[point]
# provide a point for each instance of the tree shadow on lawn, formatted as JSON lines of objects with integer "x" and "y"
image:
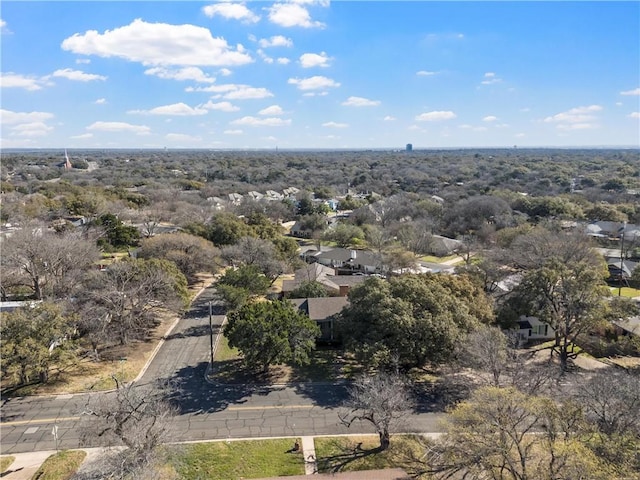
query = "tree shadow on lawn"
{"x": 191, "y": 393}
{"x": 346, "y": 455}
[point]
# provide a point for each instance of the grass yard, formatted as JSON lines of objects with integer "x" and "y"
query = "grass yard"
{"x": 236, "y": 460}
{"x": 434, "y": 259}
{"x": 345, "y": 454}
{"x": 626, "y": 292}
{"x": 61, "y": 466}
{"x": 5, "y": 462}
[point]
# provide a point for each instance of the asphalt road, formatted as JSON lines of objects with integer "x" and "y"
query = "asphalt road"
{"x": 205, "y": 411}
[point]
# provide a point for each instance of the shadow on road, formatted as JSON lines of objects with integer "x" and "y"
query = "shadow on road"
{"x": 323, "y": 394}
{"x": 195, "y": 331}
{"x": 190, "y": 393}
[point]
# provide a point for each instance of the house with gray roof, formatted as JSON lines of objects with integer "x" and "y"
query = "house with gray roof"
{"x": 324, "y": 311}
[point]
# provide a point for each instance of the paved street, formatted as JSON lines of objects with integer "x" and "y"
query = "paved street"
{"x": 205, "y": 411}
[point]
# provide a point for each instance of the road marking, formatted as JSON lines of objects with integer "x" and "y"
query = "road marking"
{"x": 72, "y": 419}
{"x": 40, "y": 420}
{"x": 270, "y": 407}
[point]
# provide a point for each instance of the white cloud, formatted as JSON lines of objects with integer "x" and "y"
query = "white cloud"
{"x": 634, "y": 92}
{"x": 233, "y": 132}
{"x": 100, "y": 101}
{"x": 231, "y": 11}
{"x": 283, "y": 60}
{"x": 34, "y": 129}
{"x": 82, "y": 136}
{"x": 426, "y": 73}
{"x": 221, "y": 106}
{"x": 490, "y": 78}
{"x": 335, "y": 125}
{"x": 315, "y": 94}
{"x": 158, "y": 44}
{"x": 186, "y": 73}
{"x": 465, "y": 126}
{"x": 292, "y": 15}
{"x": 77, "y": 75}
{"x": 317, "y": 82}
{"x": 175, "y": 109}
{"x": 389, "y": 118}
{"x": 82, "y": 61}
{"x": 360, "y": 102}
{"x": 578, "y": 118}
{"x": 3, "y": 27}
{"x": 119, "y": 127}
{"x": 490, "y": 118}
{"x": 276, "y": 41}
{"x": 232, "y": 91}
{"x": 577, "y": 126}
{"x": 225, "y": 72}
{"x": 413, "y": 127}
{"x": 7, "y": 117}
{"x": 310, "y": 60}
{"x": 435, "y": 116}
{"x": 244, "y": 92}
{"x": 634, "y": 115}
{"x": 15, "y": 80}
{"x": 262, "y": 122}
{"x": 182, "y": 137}
{"x": 272, "y": 110}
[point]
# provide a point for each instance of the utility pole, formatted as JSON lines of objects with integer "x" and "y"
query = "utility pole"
{"x": 211, "y": 332}
{"x": 624, "y": 227}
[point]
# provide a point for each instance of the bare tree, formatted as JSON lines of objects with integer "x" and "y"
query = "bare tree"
{"x": 612, "y": 401}
{"x": 51, "y": 264}
{"x": 486, "y": 349}
{"x": 381, "y": 400}
{"x": 134, "y": 417}
{"x": 257, "y": 252}
{"x": 122, "y": 302}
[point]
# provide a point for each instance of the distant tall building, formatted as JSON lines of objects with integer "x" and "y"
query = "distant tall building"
{"x": 409, "y": 147}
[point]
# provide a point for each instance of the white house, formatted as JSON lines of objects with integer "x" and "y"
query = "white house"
{"x": 530, "y": 328}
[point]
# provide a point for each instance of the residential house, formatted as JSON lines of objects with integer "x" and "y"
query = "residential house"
{"x": 324, "y": 311}
{"x": 627, "y": 326}
{"x": 255, "y": 195}
{"x": 235, "y": 198}
{"x": 347, "y": 261}
{"x": 530, "y": 328}
{"x": 443, "y": 246}
{"x": 339, "y": 285}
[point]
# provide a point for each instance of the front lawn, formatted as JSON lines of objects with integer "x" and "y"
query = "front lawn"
{"x": 5, "y": 462}
{"x": 235, "y": 460}
{"x": 344, "y": 454}
{"x": 625, "y": 292}
{"x": 61, "y": 466}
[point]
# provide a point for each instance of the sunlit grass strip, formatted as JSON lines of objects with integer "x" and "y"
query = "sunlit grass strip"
{"x": 5, "y": 462}
{"x": 240, "y": 459}
{"x": 61, "y": 466}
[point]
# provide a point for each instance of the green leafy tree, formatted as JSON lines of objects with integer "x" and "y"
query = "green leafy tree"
{"x": 240, "y": 284}
{"x": 191, "y": 254}
{"x": 227, "y": 229}
{"x": 34, "y": 339}
{"x": 269, "y": 333}
{"x": 311, "y": 289}
{"x": 117, "y": 235}
{"x": 563, "y": 286}
{"x": 345, "y": 235}
{"x": 411, "y": 320}
{"x": 504, "y": 434}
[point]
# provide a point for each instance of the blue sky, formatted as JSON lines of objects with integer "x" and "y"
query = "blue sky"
{"x": 319, "y": 74}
